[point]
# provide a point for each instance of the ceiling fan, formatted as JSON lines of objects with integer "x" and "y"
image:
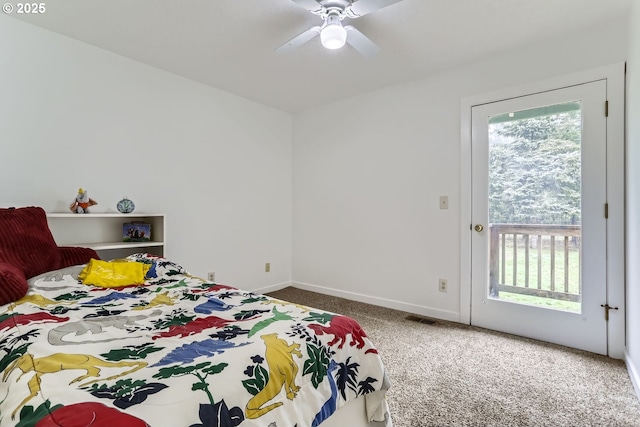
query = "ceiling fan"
{"x": 333, "y": 34}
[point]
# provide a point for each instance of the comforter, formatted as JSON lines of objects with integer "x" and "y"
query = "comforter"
{"x": 178, "y": 351}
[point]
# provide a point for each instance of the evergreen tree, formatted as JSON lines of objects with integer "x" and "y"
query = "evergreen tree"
{"x": 534, "y": 170}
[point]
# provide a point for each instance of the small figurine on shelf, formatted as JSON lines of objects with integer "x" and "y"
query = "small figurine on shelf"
{"x": 82, "y": 202}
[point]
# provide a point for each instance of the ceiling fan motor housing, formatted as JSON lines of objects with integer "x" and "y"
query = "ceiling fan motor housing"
{"x": 341, "y": 4}
{"x": 333, "y": 18}
{"x": 334, "y": 7}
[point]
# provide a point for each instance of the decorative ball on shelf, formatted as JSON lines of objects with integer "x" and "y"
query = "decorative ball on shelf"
{"x": 125, "y": 206}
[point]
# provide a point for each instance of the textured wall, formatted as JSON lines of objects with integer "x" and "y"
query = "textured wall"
{"x": 633, "y": 197}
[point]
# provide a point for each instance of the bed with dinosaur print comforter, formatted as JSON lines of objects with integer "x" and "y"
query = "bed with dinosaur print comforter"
{"x": 178, "y": 351}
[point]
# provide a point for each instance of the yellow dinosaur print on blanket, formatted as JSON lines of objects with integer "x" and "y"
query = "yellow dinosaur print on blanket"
{"x": 282, "y": 373}
{"x": 59, "y": 362}
{"x": 160, "y": 299}
{"x": 36, "y": 299}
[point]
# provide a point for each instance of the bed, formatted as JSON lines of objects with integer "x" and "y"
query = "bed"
{"x": 176, "y": 351}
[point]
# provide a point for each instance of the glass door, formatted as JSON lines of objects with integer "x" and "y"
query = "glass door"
{"x": 538, "y": 195}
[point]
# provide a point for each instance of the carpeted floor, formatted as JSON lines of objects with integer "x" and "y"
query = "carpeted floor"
{"x": 448, "y": 374}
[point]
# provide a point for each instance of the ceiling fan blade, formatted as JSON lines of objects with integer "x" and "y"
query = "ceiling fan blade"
{"x": 299, "y": 40}
{"x": 310, "y": 5}
{"x": 360, "y": 42}
{"x": 364, "y": 7}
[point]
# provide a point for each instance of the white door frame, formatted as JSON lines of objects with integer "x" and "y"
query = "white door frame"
{"x": 615, "y": 190}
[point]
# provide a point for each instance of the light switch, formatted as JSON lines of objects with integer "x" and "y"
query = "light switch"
{"x": 444, "y": 202}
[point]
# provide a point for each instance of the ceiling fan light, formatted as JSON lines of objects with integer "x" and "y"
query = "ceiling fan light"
{"x": 333, "y": 36}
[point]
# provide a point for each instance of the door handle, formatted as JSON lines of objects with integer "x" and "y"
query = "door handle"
{"x": 478, "y": 228}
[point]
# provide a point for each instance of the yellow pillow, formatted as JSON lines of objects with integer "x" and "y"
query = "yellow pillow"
{"x": 113, "y": 274}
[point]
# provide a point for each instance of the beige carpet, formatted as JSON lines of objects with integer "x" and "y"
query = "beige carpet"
{"x": 447, "y": 374}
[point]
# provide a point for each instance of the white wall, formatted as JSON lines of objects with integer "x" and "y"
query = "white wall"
{"x": 219, "y": 166}
{"x": 367, "y": 223}
{"x": 633, "y": 198}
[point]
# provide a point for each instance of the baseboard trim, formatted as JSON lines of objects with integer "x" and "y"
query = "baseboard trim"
{"x": 634, "y": 374}
{"x": 271, "y": 288}
{"x": 383, "y": 302}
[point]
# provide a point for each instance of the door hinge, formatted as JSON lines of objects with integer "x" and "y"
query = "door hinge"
{"x": 606, "y": 108}
{"x": 606, "y": 210}
{"x": 607, "y": 307}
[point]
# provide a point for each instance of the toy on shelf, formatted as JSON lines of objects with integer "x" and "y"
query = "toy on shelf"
{"x": 82, "y": 202}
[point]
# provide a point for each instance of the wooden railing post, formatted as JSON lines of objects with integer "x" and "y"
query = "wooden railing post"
{"x": 533, "y": 233}
{"x": 494, "y": 261}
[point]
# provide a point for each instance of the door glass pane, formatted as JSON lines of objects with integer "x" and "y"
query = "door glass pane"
{"x": 535, "y": 206}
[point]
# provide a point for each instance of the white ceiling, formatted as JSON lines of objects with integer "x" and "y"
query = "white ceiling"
{"x": 229, "y": 44}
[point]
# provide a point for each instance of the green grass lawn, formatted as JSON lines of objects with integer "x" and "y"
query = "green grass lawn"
{"x": 541, "y": 302}
{"x": 573, "y": 282}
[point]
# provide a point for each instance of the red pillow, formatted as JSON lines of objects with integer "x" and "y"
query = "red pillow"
{"x": 26, "y": 241}
{"x": 13, "y": 284}
{"x": 70, "y": 256}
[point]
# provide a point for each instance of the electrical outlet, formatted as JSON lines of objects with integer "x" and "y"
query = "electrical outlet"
{"x": 211, "y": 276}
{"x": 267, "y": 267}
{"x": 444, "y": 202}
{"x": 442, "y": 285}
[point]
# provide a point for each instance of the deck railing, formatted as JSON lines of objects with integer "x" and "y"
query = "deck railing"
{"x": 510, "y": 270}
